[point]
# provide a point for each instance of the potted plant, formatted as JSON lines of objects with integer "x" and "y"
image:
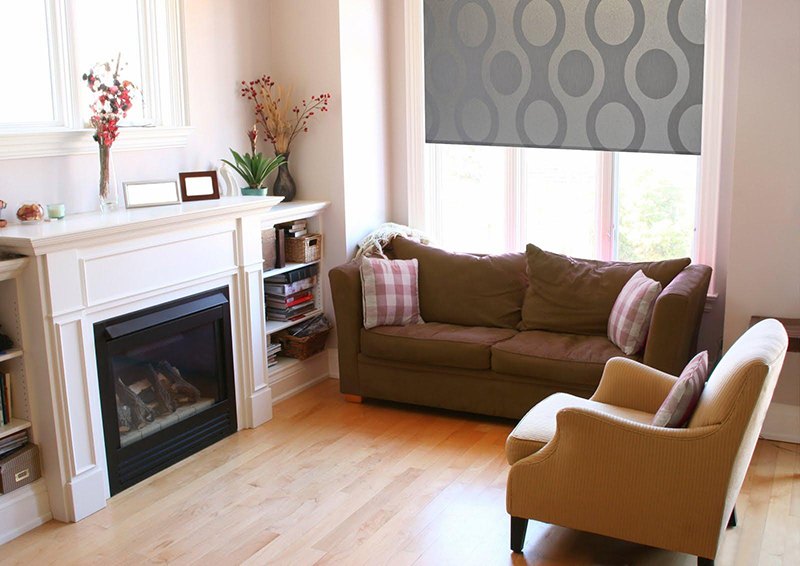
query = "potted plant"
{"x": 253, "y": 167}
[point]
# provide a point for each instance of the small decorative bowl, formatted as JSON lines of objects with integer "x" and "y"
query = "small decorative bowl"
{"x": 31, "y": 212}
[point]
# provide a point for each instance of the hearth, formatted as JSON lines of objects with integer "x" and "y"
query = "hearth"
{"x": 166, "y": 384}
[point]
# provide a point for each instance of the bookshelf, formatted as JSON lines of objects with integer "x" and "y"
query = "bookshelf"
{"x": 12, "y": 360}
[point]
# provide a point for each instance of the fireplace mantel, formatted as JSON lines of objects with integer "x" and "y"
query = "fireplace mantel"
{"x": 92, "y": 267}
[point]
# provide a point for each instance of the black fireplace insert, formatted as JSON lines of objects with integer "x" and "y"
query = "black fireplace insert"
{"x": 166, "y": 384}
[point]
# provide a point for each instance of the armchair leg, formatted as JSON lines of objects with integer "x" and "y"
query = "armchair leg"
{"x": 732, "y": 519}
{"x": 704, "y": 561}
{"x": 518, "y": 529}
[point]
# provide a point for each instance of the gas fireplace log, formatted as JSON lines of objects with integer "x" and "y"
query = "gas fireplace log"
{"x": 179, "y": 384}
{"x": 140, "y": 413}
{"x": 164, "y": 395}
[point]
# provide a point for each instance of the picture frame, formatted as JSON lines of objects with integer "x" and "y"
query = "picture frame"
{"x": 141, "y": 194}
{"x": 199, "y": 185}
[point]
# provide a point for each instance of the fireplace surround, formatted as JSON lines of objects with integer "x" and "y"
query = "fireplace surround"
{"x": 93, "y": 267}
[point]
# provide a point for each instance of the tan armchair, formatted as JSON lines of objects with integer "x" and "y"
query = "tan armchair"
{"x": 596, "y": 464}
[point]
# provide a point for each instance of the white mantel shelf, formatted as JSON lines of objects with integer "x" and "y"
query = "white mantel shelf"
{"x": 43, "y": 237}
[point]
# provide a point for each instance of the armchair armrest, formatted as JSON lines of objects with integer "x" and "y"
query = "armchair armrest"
{"x": 347, "y": 306}
{"x": 619, "y": 478}
{"x": 672, "y": 338}
{"x": 628, "y": 383}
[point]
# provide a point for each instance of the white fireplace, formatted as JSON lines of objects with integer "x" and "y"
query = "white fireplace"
{"x": 90, "y": 268}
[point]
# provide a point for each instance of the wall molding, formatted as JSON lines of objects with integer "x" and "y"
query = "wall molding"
{"x": 23, "y": 510}
{"x": 782, "y": 423}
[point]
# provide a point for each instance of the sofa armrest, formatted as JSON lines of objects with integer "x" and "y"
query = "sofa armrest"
{"x": 347, "y": 306}
{"x": 619, "y": 478}
{"x": 672, "y": 339}
{"x": 627, "y": 383}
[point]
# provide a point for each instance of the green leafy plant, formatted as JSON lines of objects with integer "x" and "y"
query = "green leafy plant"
{"x": 254, "y": 167}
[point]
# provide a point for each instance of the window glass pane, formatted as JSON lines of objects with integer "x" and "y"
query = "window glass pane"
{"x": 655, "y": 205}
{"x": 560, "y": 194}
{"x": 26, "y": 95}
{"x": 470, "y": 195}
{"x": 98, "y": 42}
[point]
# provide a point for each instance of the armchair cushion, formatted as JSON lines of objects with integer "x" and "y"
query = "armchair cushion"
{"x": 677, "y": 408}
{"x": 538, "y": 427}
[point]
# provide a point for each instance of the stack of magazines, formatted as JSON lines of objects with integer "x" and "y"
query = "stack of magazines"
{"x": 272, "y": 353}
{"x": 290, "y": 295}
{"x": 13, "y": 441}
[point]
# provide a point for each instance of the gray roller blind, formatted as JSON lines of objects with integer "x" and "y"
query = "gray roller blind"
{"x": 622, "y": 75}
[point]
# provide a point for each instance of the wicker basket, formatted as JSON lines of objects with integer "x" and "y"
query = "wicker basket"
{"x": 302, "y": 347}
{"x": 304, "y": 249}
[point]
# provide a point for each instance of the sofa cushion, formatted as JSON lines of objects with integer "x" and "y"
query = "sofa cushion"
{"x": 538, "y": 427}
{"x": 632, "y": 311}
{"x": 389, "y": 292}
{"x": 434, "y": 343}
{"x": 567, "y": 294}
{"x": 567, "y": 358}
{"x": 467, "y": 289}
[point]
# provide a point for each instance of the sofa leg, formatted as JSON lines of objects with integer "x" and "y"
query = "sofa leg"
{"x": 353, "y": 398}
{"x": 518, "y": 529}
{"x": 704, "y": 561}
{"x": 732, "y": 519}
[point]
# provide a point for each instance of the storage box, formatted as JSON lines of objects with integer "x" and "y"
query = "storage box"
{"x": 304, "y": 249}
{"x": 19, "y": 468}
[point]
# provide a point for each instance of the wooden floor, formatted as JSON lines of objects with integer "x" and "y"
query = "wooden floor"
{"x": 329, "y": 482}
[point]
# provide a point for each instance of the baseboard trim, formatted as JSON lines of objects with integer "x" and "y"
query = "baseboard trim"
{"x": 23, "y": 510}
{"x": 782, "y": 423}
{"x": 297, "y": 376}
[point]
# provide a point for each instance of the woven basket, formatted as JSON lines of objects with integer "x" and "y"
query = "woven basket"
{"x": 304, "y": 249}
{"x": 302, "y": 347}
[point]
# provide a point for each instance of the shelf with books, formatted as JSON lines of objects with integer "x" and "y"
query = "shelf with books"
{"x": 286, "y": 268}
{"x": 15, "y": 426}
{"x": 274, "y": 326}
{"x": 10, "y": 354}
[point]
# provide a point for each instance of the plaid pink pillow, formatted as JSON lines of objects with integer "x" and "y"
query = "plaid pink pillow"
{"x": 678, "y": 407}
{"x": 389, "y": 292}
{"x": 630, "y": 316}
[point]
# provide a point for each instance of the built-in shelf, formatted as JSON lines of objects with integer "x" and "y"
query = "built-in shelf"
{"x": 14, "y": 426}
{"x": 287, "y": 267}
{"x": 274, "y": 326}
{"x": 10, "y": 354}
{"x": 10, "y": 268}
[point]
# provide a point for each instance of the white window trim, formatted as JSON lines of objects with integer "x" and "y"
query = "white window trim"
{"x": 60, "y": 140}
{"x": 711, "y": 146}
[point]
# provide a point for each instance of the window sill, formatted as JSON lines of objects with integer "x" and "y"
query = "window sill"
{"x": 80, "y": 142}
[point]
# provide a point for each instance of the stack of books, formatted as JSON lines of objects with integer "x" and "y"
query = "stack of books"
{"x": 290, "y": 295}
{"x": 13, "y": 441}
{"x": 272, "y": 353}
{"x": 294, "y": 229}
{"x": 5, "y": 398}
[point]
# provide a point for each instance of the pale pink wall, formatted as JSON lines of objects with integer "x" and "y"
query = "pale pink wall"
{"x": 225, "y": 43}
{"x": 764, "y": 249}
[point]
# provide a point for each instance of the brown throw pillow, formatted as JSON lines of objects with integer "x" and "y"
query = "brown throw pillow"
{"x": 567, "y": 294}
{"x": 677, "y": 409}
{"x": 466, "y": 289}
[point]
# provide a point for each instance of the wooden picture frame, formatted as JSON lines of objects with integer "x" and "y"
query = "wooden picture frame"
{"x": 141, "y": 194}
{"x": 199, "y": 185}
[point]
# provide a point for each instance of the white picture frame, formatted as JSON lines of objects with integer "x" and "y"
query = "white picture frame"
{"x": 141, "y": 194}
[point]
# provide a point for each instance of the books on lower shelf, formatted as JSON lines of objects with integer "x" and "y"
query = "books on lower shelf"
{"x": 272, "y": 353}
{"x": 5, "y": 398}
{"x": 290, "y": 295}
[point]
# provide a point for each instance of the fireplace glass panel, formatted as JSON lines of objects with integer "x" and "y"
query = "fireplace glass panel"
{"x": 165, "y": 381}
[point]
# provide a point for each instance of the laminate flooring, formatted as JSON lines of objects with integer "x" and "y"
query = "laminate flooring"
{"x": 330, "y": 482}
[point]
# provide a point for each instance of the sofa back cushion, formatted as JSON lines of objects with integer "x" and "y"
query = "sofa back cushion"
{"x": 567, "y": 294}
{"x": 466, "y": 289}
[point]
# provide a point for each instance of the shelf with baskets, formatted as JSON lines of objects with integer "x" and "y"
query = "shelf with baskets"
{"x": 292, "y": 248}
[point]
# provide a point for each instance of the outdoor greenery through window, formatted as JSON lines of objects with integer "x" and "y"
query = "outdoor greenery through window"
{"x": 625, "y": 206}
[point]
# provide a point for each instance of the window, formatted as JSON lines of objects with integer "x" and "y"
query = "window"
{"x": 49, "y": 44}
{"x": 627, "y": 206}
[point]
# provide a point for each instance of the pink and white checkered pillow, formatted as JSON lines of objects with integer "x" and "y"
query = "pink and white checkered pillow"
{"x": 630, "y": 316}
{"x": 677, "y": 409}
{"x": 390, "y": 292}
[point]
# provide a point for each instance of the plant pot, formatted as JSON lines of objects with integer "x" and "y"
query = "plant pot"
{"x": 251, "y": 192}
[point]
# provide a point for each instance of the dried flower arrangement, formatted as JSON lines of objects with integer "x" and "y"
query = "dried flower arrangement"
{"x": 280, "y": 119}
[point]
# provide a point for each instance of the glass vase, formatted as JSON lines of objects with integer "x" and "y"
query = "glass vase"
{"x": 108, "y": 195}
{"x": 284, "y": 185}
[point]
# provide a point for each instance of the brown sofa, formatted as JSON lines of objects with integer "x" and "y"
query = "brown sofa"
{"x": 503, "y": 332}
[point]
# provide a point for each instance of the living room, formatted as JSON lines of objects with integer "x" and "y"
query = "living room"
{"x": 305, "y": 476}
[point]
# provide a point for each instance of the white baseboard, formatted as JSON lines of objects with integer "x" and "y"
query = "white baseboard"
{"x": 333, "y": 362}
{"x": 782, "y": 423}
{"x": 23, "y": 510}
{"x": 295, "y": 376}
